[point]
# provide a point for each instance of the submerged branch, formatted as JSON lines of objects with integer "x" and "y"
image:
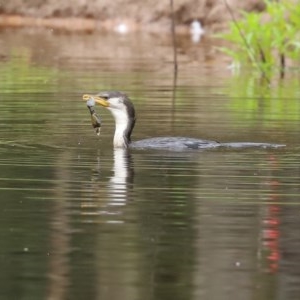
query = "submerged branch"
{"x": 282, "y": 65}
{"x": 174, "y": 37}
{"x": 174, "y": 60}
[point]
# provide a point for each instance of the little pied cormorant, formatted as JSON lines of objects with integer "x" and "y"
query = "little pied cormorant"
{"x": 123, "y": 112}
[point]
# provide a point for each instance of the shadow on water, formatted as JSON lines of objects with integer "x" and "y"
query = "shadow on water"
{"x": 81, "y": 221}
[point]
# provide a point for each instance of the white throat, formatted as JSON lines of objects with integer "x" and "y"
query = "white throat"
{"x": 121, "y": 120}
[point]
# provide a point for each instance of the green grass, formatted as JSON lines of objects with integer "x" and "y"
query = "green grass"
{"x": 265, "y": 41}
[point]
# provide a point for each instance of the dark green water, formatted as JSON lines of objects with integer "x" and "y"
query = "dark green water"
{"x": 81, "y": 221}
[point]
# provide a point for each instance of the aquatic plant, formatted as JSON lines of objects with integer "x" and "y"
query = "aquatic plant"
{"x": 267, "y": 40}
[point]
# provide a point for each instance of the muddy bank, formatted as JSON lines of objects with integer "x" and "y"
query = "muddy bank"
{"x": 126, "y": 15}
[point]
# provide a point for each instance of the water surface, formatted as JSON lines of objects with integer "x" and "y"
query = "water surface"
{"x": 81, "y": 221}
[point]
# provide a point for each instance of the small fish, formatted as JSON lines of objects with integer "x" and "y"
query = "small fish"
{"x": 96, "y": 121}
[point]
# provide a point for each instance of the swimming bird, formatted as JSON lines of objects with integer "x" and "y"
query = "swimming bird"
{"x": 123, "y": 111}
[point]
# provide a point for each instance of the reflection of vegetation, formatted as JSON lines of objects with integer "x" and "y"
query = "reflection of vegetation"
{"x": 266, "y": 41}
{"x": 29, "y": 97}
{"x": 19, "y": 75}
{"x": 255, "y": 99}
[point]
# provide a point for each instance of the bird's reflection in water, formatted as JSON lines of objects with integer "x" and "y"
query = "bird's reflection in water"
{"x": 122, "y": 176}
{"x": 118, "y": 185}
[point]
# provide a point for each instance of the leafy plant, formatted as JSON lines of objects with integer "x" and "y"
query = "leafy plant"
{"x": 265, "y": 40}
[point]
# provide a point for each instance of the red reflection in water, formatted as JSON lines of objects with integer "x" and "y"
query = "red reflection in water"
{"x": 271, "y": 232}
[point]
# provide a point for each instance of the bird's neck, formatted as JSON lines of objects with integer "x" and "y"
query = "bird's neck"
{"x": 122, "y": 130}
{"x": 124, "y": 126}
{"x": 120, "y": 138}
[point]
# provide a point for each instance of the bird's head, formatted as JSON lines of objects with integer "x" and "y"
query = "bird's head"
{"x": 123, "y": 111}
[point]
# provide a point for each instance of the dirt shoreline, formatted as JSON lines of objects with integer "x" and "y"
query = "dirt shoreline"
{"x": 121, "y": 15}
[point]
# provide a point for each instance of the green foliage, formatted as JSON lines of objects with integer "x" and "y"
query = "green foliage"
{"x": 265, "y": 40}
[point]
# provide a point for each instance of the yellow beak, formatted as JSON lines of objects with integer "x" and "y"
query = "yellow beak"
{"x": 97, "y": 99}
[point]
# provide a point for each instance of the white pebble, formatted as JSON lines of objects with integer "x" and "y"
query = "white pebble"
{"x": 196, "y": 31}
{"x": 121, "y": 28}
